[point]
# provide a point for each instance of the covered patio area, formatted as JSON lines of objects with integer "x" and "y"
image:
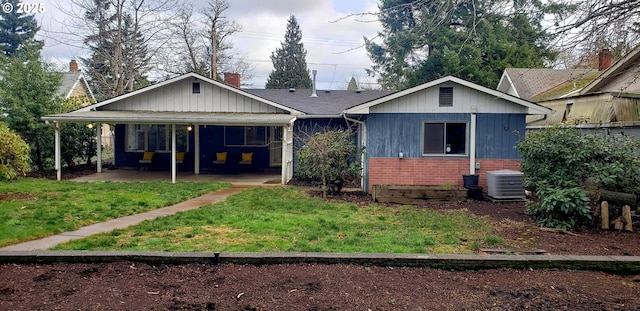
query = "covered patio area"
{"x": 190, "y": 124}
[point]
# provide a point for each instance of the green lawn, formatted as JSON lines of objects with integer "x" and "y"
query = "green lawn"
{"x": 286, "y": 219}
{"x": 36, "y": 208}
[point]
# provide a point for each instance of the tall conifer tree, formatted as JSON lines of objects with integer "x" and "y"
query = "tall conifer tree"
{"x": 16, "y": 29}
{"x": 290, "y": 65}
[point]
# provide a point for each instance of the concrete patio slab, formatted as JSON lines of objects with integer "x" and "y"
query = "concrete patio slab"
{"x": 248, "y": 179}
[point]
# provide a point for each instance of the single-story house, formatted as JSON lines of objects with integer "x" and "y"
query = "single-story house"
{"x": 431, "y": 134}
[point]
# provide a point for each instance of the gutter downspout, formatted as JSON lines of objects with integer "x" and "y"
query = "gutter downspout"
{"x": 472, "y": 151}
{"x": 363, "y": 143}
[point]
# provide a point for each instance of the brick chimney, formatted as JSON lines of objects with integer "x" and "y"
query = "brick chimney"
{"x": 73, "y": 66}
{"x": 604, "y": 59}
{"x": 232, "y": 79}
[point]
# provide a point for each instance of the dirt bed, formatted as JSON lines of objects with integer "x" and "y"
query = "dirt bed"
{"x": 128, "y": 286}
{"x": 134, "y": 286}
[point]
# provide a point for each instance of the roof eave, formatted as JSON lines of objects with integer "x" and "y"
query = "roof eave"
{"x": 631, "y": 56}
{"x": 175, "y": 119}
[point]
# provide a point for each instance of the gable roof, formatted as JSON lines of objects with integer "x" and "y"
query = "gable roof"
{"x": 71, "y": 81}
{"x": 532, "y": 107}
{"x": 530, "y": 83}
{"x": 568, "y": 89}
{"x": 628, "y": 62}
{"x": 326, "y": 103}
{"x": 188, "y": 76}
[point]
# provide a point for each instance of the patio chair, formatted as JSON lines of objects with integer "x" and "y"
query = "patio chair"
{"x": 220, "y": 162}
{"x": 146, "y": 161}
{"x": 179, "y": 159}
{"x": 246, "y": 160}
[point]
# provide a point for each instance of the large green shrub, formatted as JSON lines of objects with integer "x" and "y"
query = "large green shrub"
{"x": 560, "y": 207}
{"x": 329, "y": 158}
{"x": 14, "y": 154}
{"x": 559, "y": 163}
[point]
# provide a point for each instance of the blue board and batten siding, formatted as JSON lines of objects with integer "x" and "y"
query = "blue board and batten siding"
{"x": 498, "y": 134}
{"x": 391, "y": 133}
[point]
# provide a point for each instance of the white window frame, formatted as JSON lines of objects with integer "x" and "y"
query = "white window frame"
{"x": 144, "y": 129}
{"x": 244, "y": 139}
{"x": 444, "y": 153}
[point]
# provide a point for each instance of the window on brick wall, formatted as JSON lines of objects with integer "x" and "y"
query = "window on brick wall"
{"x": 444, "y": 138}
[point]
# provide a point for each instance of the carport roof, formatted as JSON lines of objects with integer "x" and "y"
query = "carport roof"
{"x": 151, "y": 117}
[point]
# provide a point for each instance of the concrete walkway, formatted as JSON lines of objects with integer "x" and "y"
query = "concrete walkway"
{"x": 124, "y": 222}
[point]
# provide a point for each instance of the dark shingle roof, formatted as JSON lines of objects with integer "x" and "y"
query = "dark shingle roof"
{"x": 326, "y": 103}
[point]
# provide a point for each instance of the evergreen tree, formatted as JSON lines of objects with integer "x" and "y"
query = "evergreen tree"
{"x": 16, "y": 29}
{"x": 290, "y": 66}
{"x": 353, "y": 85}
{"x": 476, "y": 41}
{"x": 27, "y": 93}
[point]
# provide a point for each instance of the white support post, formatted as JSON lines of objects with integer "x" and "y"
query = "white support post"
{"x": 472, "y": 142}
{"x": 57, "y": 157}
{"x": 287, "y": 152}
{"x": 173, "y": 153}
{"x": 363, "y": 156}
{"x": 290, "y": 151}
{"x": 99, "y": 147}
{"x": 196, "y": 149}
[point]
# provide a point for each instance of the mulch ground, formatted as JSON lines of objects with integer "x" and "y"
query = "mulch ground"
{"x": 135, "y": 286}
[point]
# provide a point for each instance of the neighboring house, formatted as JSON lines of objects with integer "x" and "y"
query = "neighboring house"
{"x": 74, "y": 84}
{"x": 535, "y": 83}
{"x": 431, "y": 134}
{"x": 607, "y": 99}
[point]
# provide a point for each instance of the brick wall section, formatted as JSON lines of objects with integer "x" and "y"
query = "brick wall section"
{"x": 430, "y": 171}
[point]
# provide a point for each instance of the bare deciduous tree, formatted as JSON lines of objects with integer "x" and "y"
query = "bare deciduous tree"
{"x": 122, "y": 37}
{"x": 597, "y": 24}
{"x": 200, "y": 42}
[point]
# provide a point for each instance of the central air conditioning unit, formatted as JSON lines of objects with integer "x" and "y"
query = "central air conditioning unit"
{"x": 505, "y": 184}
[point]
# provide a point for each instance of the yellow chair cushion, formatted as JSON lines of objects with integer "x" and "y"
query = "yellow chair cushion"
{"x": 147, "y": 156}
{"x": 180, "y": 156}
{"x": 221, "y": 156}
{"x": 246, "y": 157}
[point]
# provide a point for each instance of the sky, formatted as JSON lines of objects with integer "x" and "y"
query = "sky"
{"x": 334, "y": 43}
